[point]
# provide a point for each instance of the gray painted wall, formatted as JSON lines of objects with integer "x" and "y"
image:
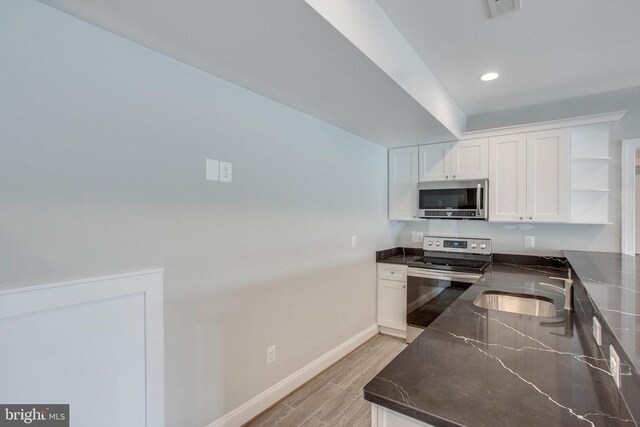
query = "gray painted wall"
{"x": 102, "y": 153}
{"x": 637, "y": 207}
{"x": 625, "y": 99}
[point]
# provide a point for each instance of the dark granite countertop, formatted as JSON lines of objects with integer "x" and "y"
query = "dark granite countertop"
{"x": 613, "y": 283}
{"x": 478, "y": 367}
{"x": 399, "y": 255}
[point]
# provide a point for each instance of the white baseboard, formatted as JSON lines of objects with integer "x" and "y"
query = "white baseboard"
{"x": 264, "y": 400}
{"x": 398, "y": 333}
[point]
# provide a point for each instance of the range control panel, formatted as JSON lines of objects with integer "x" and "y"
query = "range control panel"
{"x": 457, "y": 244}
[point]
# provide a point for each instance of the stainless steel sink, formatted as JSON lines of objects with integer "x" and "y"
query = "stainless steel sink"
{"x": 532, "y": 305}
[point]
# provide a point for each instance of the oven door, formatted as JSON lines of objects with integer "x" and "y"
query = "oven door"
{"x": 429, "y": 293}
{"x": 453, "y": 199}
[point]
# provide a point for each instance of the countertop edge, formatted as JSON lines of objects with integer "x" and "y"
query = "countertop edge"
{"x": 425, "y": 417}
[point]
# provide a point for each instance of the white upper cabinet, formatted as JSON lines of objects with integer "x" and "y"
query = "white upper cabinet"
{"x": 529, "y": 177}
{"x": 470, "y": 159}
{"x": 455, "y": 160}
{"x": 548, "y": 176}
{"x": 435, "y": 162}
{"x": 508, "y": 178}
{"x": 403, "y": 183}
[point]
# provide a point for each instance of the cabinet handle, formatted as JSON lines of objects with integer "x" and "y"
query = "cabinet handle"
{"x": 521, "y": 218}
{"x": 404, "y": 286}
{"x": 446, "y": 177}
{"x": 530, "y": 218}
{"x": 454, "y": 177}
{"x": 392, "y": 272}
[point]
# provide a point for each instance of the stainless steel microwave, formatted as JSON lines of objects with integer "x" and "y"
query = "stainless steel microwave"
{"x": 453, "y": 199}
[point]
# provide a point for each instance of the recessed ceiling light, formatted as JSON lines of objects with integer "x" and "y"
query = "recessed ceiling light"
{"x": 489, "y": 76}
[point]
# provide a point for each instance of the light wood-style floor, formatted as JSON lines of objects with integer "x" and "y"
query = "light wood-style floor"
{"x": 334, "y": 398}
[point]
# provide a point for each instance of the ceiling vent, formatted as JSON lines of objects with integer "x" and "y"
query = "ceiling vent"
{"x": 500, "y": 7}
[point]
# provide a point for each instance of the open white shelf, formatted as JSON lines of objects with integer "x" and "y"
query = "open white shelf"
{"x": 590, "y": 207}
{"x": 589, "y": 142}
{"x": 590, "y": 161}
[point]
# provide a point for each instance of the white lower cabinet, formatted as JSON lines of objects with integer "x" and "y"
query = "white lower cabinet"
{"x": 383, "y": 417}
{"x": 392, "y": 299}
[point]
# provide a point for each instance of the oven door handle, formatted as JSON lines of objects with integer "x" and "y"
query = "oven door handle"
{"x": 451, "y": 275}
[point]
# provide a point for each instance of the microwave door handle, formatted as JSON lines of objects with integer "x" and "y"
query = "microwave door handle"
{"x": 478, "y": 201}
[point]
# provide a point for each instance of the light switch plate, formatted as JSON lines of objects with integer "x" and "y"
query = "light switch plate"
{"x": 212, "y": 170}
{"x": 614, "y": 365}
{"x": 225, "y": 172}
{"x": 354, "y": 241}
{"x": 597, "y": 330}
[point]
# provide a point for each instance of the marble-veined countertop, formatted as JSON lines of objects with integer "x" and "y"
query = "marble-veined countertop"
{"x": 481, "y": 367}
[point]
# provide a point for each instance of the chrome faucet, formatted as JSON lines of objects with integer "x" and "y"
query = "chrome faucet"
{"x": 566, "y": 289}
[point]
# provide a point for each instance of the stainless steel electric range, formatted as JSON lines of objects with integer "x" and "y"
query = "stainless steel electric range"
{"x": 449, "y": 266}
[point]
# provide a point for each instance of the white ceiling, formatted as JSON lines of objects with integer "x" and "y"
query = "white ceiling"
{"x": 284, "y": 50}
{"x": 549, "y": 50}
{"x": 281, "y": 49}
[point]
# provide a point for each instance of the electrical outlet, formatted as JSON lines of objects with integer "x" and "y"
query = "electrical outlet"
{"x": 614, "y": 365}
{"x": 529, "y": 241}
{"x": 597, "y": 330}
{"x": 271, "y": 354}
{"x": 225, "y": 171}
{"x": 354, "y": 241}
{"x": 212, "y": 170}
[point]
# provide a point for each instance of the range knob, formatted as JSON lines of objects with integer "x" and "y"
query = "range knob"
{"x": 474, "y": 245}
{"x": 430, "y": 242}
{"x": 437, "y": 243}
{"x": 483, "y": 246}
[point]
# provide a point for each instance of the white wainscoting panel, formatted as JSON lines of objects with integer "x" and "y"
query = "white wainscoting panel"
{"x": 96, "y": 344}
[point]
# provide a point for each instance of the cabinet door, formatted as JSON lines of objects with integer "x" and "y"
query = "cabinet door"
{"x": 383, "y": 417}
{"x": 548, "y": 176}
{"x": 435, "y": 162}
{"x": 470, "y": 159}
{"x": 508, "y": 178}
{"x": 403, "y": 183}
{"x": 392, "y": 304}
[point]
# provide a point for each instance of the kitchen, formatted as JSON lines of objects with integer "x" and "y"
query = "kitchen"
{"x": 257, "y": 205}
